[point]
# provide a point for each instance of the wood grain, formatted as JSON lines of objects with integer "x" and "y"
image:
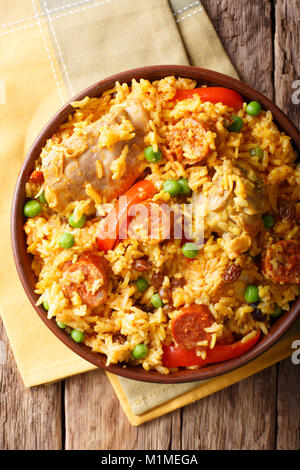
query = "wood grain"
{"x": 239, "y": 417}
{"x": 245, "y": 30}
{"x": 29, "y": 419}
{"x": 288, "y": 406}
{"x": 287, "y": 64}
{"x": 94, "y": 419}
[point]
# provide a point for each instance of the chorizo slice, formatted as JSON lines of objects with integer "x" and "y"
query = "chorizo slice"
{"x": 88, "y": 277}
{"x": 187, "y": 137}
{"x": 188, "y": 328}
{"x": 281, "y": 262}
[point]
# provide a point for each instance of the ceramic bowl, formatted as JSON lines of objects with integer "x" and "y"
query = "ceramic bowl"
{"x": 23, "y": 259}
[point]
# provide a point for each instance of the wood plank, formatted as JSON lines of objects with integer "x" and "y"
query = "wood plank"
{"x": 287, "y": 63}
{"x": 94, "y": 419}
{"x": 245, "y": 30}
{"x": 239, "y": 417}
{"x": 29, "y": 419}
{"x": 288, "y": 409}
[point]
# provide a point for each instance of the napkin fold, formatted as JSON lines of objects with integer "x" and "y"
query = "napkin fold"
{"x": 52, "y": 49}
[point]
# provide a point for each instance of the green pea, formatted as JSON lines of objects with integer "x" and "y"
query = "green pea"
{"x": 278, "y": 311}
{"x": 46, "y": 305}
{"x": 172, "y": 187}
{"x": 151, "y": 156}
{"x": 140, "y": 351}
{"x": 184, "y": 186}
{"x": 78, "y": 223}
{"x": 268, "y": 221}
{"x": 190, "y": 250}
{"x": 42, "y": 198}
{"x": 61, "y": 325}
{"x": 66, "y": 240}
{"x": 257, "y": 152}
{"x": 251, "y": 294}
{"x": 77, "y": 336}
{"x": 142, "y": 284}
{"x": 254, "y": 108}
{"x": 156, "y": 300}
{"x": 236, "y": 125}
{"x": 32, "y": 208}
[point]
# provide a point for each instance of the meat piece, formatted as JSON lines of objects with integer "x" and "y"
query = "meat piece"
{"x": 187, "y": 141}
{"x": 188, "y": 328}
{"x": 153, "y": 222}
{"x": 281, "y": 262}
{"x": 79, "y": 161}
{"x": 218, "y": 197}
{"x": 88, "y": 277}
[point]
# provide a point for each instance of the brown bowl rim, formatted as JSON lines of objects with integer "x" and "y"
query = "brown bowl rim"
{"x": 22, "y": 258}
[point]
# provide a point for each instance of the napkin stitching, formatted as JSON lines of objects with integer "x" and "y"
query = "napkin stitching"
{"x": 70, "y": 5}
{"x": 58, "y": 48}
{"x": 190, "y": 14}
{"x": 20, "y": 28}
{"x": 42, "y": 15}
{"x": 21, "y": 20}
{"x": 86, "y": 8}
{"x": 5, "y": 25}
{"x": 38, "y": 371}
{"x": 48, "y": 52}
{"x": 186, "y": 8}
{"x": 158, "y": 392}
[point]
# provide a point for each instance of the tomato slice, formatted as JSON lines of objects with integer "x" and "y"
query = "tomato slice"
{"x": 213, "y": 95}
{"x": 174, "y": 356}
{"x": 118, "y": 216}
{"x": 36, "y": 176}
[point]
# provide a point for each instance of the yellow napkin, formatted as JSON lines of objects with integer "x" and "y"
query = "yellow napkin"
{"x": 51, "y": 50}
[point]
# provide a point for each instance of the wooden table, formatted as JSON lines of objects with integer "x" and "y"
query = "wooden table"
{"x": 262, "y": 37}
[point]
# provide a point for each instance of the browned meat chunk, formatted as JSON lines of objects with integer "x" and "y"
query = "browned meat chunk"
{"x": 281, "y": 262}
{"x": 79, "y": 161}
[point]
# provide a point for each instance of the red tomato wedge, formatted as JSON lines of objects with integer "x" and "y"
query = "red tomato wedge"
{"x": 118, "y": 216}
{"x": 36, "y": 176}
{"x": 177, "y": 357}
{"x": 213, "y": 95}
